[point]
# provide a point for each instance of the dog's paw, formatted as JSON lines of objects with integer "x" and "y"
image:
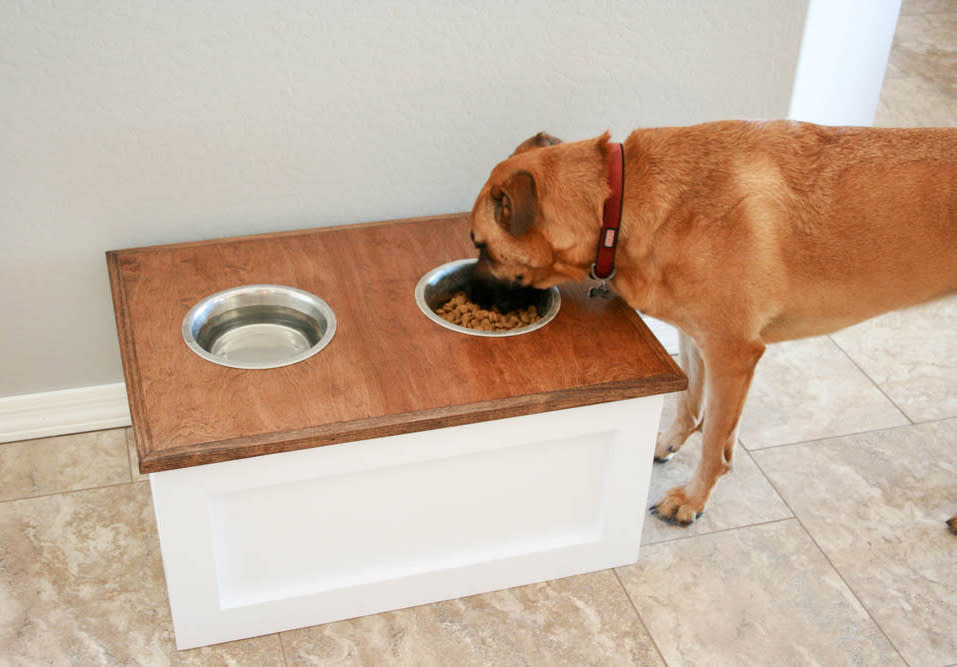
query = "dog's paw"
{"x": 664, "y": 450}
{"x": 952, "y": 524}
{"x": 677, "y": 508}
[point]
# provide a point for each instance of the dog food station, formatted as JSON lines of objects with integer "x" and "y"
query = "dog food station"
{"x": 329, "y": 451}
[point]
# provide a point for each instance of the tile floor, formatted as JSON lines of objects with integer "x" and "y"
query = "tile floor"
{"x": 826, "y": 545}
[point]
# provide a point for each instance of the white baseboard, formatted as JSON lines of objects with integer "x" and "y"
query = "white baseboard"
{"x": 51, "y": 413}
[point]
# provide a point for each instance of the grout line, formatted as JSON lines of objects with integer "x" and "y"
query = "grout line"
{"x": 70, "y": 491}
{"x": 126, "y": 438}
{"x": 831, "y": 563}
{"x": 638, "y": 613}
{"x": 936, "y": 420}
{"x": 682, "y": 538}
{"x": 282, "y": 650}
{"x": 827, "y": 438}
{"x": 69, "y": 434}
{"x": 872, "y": 380}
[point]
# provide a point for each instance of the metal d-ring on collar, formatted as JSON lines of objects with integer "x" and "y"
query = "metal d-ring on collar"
{"x": 601, "y": 290}
{"x": 603, "y": 268}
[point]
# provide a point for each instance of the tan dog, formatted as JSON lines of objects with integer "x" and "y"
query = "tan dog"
{"x": 738, "y": 233}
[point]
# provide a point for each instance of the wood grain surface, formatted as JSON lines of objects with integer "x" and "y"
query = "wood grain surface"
{"x": 388, "y": 370}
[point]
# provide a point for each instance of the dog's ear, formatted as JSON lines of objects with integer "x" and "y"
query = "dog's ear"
{"x": 516, "y": 203}
{"x": 602, "y": 142}
{"x": 540, "y": 140}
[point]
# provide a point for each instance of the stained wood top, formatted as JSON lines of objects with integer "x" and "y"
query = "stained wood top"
{"x": 388, "y": 370}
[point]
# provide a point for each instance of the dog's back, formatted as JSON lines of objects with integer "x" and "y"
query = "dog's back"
{"x": 836, "y": 224}
{"x": 880, "y": 228}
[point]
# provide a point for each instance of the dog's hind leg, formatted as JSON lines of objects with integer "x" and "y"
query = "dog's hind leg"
{"x": 729, "y": 369}
{"x": 690, "y": 402}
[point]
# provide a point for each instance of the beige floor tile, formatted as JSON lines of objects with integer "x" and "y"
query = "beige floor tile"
{"x": 762, "y": 595}
{"x": 911, "y": 101}
{"x": 912, "y": 355}
{"x": 917, "y": 7}
{"x": 809, "y": 389}
{"x": 64, "y": 463}
{"x": 876, "y": 504}
{"x": 81, "y": 583}
{"x": 134, "y": 457}
{"x": 742, "y": 497}
{"x": 584, "y": 620}
{"x": 926, "y": 45}
{"x": 920, "y": 88}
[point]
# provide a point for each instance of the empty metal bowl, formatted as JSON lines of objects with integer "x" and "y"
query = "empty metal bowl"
{"x": 259, "y": 326}
{"x": 436, "y": 286}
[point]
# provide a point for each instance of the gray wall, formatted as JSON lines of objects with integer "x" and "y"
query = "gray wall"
{"x": 127, "y": 124}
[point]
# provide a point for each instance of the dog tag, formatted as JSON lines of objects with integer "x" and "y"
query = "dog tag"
{"x": 599, "y": 292}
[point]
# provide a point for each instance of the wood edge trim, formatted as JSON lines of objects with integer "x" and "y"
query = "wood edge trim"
{"x": 134, "y": 393}
{"x": 289, "y": 232}
{"x": 457, "y": 415}
{"x": 654, "y": 343}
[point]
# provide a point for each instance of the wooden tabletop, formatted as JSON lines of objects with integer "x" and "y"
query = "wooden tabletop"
{"x": 388, "y": 370}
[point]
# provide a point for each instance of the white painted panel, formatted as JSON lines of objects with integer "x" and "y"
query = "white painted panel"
{"x": 482, "y": 507}
{"x": 365, "y": 527}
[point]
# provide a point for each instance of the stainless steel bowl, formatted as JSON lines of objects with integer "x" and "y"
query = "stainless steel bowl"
{"x": 436, "y": 286}
{"x": 259, "y": 326}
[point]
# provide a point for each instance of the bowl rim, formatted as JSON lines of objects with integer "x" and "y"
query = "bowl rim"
{"x": 457, "y": 263}
{"x": 324, "y": 309}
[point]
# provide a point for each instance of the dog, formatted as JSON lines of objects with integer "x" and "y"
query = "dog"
{"x": 740, "y": 234}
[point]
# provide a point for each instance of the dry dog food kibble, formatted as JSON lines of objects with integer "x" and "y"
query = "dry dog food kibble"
{"x": 459, "y": 310}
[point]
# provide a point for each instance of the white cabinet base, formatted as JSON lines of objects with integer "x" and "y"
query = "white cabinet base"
{"x": 271, "y": 543}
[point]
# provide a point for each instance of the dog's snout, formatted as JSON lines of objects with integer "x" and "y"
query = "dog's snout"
{"x": 486, "y": 268}
{"x": 481, "y": 245}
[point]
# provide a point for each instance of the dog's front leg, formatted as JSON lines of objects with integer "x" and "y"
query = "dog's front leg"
{"x": 729, "y": 367}
{"x": 689, "y": 417}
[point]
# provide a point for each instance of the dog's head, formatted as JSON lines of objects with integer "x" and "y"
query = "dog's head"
{"x": 536, "y": 219}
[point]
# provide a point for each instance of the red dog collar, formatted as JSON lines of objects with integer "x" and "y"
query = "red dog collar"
{"x": 604, "y": 266}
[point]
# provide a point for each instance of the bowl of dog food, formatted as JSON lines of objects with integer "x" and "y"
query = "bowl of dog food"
{"x": 259, "y": 326}
{"x": 448, "y": 296}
